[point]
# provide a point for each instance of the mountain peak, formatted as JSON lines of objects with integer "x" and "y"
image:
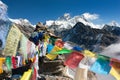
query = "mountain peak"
{"x": 66, "y": 16}
{"x": 21, "y": 21}
{"x": 114, "y": 23}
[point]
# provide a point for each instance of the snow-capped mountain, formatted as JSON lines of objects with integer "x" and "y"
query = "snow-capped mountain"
{"x": 65, "y": 17}
{"x": 21, "y": 21}
{"x": 67, "y": 22}
{"x": 113, "y": 23}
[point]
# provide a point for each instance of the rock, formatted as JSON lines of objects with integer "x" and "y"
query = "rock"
{"x": 54, "y": 70}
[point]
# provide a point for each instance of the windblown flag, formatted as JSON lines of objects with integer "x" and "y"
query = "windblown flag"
{"x": 115, "y": 71}
{"x": 101, "y": 65}
{"x": 73, "y": 59}
{"x": 12, "y": 41}
{"x": 63, "y": 51}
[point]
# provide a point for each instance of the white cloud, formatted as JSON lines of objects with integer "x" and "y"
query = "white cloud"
{"x": 112, "y": 51}
{"x": 89, "y": 16}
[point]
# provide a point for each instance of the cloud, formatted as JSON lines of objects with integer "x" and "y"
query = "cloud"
{"x": 112, "y": 51}
{"x": 89, "y": 16}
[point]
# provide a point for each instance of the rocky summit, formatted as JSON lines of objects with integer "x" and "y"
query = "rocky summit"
{"x": 91, "y": 38}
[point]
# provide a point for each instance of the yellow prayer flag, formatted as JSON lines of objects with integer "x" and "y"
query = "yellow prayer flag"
{"x": 2, "y": 60}
{"x": 46, "y": 37}
{"x": 88, "y": 53}
{"x": 115, "y": 73}
{"x": 26, "y": 75}
{"x": 12, "y": 41}
{"x": 53, "y": 56}
{"x": 55, "y": 49}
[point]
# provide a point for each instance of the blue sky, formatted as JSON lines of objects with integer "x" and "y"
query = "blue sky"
{"x": 42, "y": 10}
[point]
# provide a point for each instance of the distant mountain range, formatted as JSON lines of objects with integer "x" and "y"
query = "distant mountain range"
{"x": 84, "y": 33}
{"x": 78, "y": 30}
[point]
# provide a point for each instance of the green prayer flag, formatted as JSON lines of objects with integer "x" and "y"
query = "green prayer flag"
{"x": 63, "y": 51}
